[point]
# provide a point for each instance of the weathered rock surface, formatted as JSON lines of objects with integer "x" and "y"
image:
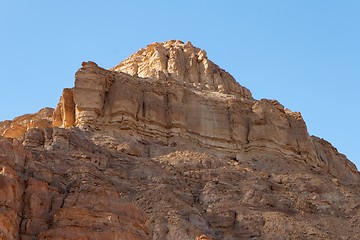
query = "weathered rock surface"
{"x": 166, "y": 145}
{"x": 17, "y": 127}
{"x": 175, "y": 60}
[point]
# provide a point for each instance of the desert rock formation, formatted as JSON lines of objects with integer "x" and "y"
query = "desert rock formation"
{"x": 167, "y": 145}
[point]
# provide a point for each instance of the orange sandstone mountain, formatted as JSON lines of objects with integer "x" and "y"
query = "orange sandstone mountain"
{"x": 167, "y": 145}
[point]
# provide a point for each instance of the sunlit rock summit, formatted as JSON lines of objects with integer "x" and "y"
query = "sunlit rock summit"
{"x": 167, "y": 145}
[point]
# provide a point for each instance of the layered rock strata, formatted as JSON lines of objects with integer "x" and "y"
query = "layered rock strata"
{"x": 182, "y": 62}
{"x": 17, "y": 127}
{"x": 167, "y": 145}
{"x": 158, "y": 100}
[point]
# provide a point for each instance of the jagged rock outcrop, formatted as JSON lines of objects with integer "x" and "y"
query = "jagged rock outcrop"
{"x": 166, "y": 145}
{"x": 43, "y": 197}
{"x": 17, "y": 127}
{"x": 158, "y": 102}
{"x": 182, "y": 62}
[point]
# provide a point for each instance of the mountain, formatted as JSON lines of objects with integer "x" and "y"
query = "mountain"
{"x": 167, "y": 145}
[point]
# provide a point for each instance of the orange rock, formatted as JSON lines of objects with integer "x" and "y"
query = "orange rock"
{"x": 203, "y": 237}
{"x": 166, "y": 145}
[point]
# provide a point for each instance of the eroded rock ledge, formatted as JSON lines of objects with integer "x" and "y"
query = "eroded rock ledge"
{"x": 175, "y": 60}
{"x": 167, "y": 145}
{"x": 168, "y": 110}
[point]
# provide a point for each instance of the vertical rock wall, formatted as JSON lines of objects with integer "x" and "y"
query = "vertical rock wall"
{"x": 155, "y": 108}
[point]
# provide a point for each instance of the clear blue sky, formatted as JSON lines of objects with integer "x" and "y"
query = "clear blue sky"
{"x": 306, "y": 54}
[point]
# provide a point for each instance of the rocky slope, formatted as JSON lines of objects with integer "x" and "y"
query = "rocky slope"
{"x": 167, "y": 145}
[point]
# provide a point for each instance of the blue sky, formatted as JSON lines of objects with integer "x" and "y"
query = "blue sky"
{"x": 306, "y": 54}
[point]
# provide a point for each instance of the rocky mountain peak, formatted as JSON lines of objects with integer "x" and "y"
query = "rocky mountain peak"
{"x": 166, "y": 145}
{"x": 176, "y": 60}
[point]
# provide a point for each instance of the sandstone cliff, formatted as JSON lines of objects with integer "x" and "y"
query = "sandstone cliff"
{"x": 167, "y": 145}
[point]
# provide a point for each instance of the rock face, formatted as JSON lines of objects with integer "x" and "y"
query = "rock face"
{"x": 18, "y": 126}
{"x": 167, "y": 145}
{"x": 182, "y": 62}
